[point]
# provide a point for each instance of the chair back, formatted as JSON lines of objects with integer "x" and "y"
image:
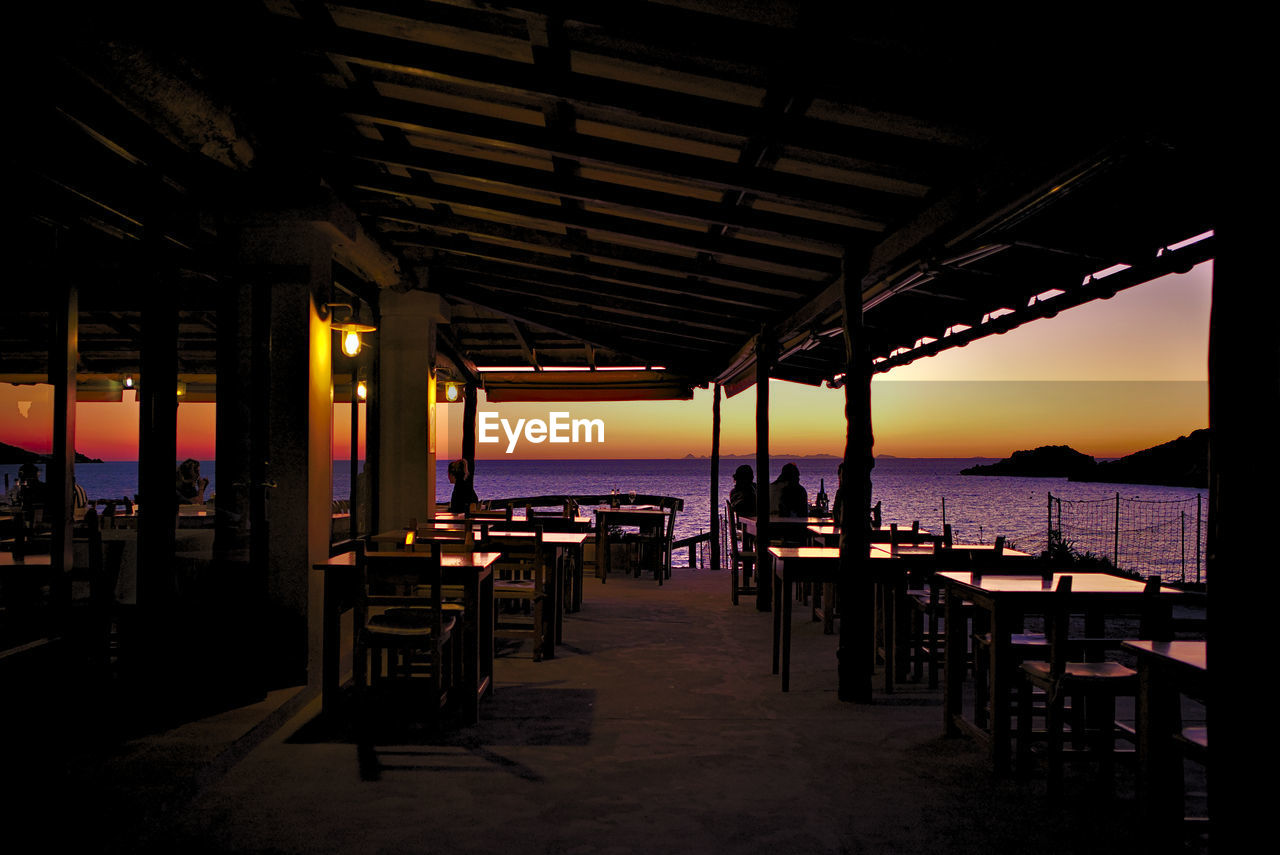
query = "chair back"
{"x": 451, "y": 535}
{"x": 476, "y": 512}
{"x": 731, "y": 520}
{"x": 1058, "y": 627}
{"x": 391, "y": 580}
{"x": 1155, "y": 622}
{"x": 522, "y": 555}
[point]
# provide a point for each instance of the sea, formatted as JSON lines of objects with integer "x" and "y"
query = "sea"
{"x": 1167, "y": 520}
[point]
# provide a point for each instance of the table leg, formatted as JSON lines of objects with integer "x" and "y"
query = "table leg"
{"x": 952, "y": 666}
{"x": 777, "y": 615}
{"x": 1160, "y": 783}
{"x": 1000, "y": 680}
{"x": 784, "y": 605}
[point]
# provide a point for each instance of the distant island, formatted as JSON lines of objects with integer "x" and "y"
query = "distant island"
{"x": 692, "y": 456}
{"x": 11, "y": 454}
{"x": 1182, "y": 462}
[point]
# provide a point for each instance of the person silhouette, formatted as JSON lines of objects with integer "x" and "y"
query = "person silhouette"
{"x": 787, "y": 498}
{"x": 742, "y": 498}
{"x": 464, "y": 495}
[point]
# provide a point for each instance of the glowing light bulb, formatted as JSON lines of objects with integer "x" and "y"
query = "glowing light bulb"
{"x": 351, "y": 343}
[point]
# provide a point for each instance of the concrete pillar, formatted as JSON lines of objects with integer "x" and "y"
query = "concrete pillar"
{"x": 60, "y": 473}
{"x": 289, "y": 267}
{"x": 407, "y": 403}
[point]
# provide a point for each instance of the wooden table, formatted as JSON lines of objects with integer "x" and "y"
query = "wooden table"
{"x": 1005, "y": 599}
{"x": 793, "y": 564}
{"x": 564, "y": 550}
{"x": 470, "y": 570}
{"x": 641, "y": 516}
{"x": 1166, "y": 671}
{"x": 790, "y": 528}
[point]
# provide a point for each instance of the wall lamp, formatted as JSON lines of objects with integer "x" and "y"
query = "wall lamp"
{"x": 350, "y": 329}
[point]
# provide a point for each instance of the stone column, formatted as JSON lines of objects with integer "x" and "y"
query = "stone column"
{"x": 287, "y": 265}
{"x": 407, "y": 403}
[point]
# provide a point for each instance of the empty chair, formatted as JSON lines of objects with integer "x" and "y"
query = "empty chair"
{"x": 742, "y": 562}
{"x": 655, "y": 543}
{"x": 452, "y": 535}
{"x": 519, "y": 587}
{"x": 403, "y": 633}
{"x": 1092, "y": 686}
{"x": 476, "y": 512}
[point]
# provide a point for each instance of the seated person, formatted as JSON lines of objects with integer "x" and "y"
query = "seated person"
{"x": 189, "y": 487}
{"x": 463, "y": 493}
{"x": 787, "y": 498}
{"x": 31, "y": 490}
{"x": 743, "y": 496}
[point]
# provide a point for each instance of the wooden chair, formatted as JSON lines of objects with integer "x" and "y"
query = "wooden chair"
{"x": 742, "y": 562}
{"x": 519, "y": 587}
{"x": 655, "y": 544}
{"x": 399, "y": 613}
{"x": 452, "y": 535}
{"x": 1092, "y": 686}
{"x": 490, "y": 515}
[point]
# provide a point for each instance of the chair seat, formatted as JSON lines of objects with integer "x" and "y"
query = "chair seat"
{"x": 1082, "y": 671}
{"x": 407, "y": 623}
{"x": 1017, "y": 639}
{"x": 521, "y": 586}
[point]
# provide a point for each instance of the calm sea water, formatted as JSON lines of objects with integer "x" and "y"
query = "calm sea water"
{"x": 929, "y": 490}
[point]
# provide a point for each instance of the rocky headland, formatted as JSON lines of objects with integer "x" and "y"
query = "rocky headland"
{"x": 1182, "y": 462}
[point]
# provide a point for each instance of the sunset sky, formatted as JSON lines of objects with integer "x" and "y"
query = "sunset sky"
{"x": 1107, "y": 378}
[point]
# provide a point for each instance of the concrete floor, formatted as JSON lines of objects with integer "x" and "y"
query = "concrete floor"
{"x": 658, "y": 727}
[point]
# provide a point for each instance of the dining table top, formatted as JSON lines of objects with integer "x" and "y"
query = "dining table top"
{"x": 928, "y": 550}
{"x": 460, "y": 517}
{"x": 1082, "y": 582}
{"x": 560, "y": 538}
{"x": 631, "y": 509}
{"x": 1186, "y": 654}
{"x": 447, "y": 559}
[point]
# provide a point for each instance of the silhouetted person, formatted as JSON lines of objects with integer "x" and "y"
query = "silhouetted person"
{"x": 463, "y": 493}
{"x": 787, "y": 498}
{"x": 31, "y": 492}
{"x": 189, "y": 487}
{"x": 742, "y": 498}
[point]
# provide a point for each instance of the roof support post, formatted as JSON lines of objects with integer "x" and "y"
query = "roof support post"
{"x": 407, "y": 403}
{"x": 764, "y": 566}
{"x": 287, "y": 262}
{"x": 60, "y": 474}
{"x": 715, "y": 477}
{"x": 856, "y": 652}
{"x": 1244, "y": 374}
{"x": 469, "y": 395}
{"x": 157, "y": 443}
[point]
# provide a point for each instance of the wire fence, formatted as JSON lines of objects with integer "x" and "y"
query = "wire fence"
{"x": 1147, "y": 537}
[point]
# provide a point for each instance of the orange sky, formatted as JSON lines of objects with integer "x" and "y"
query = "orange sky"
{"x": 1106, "y": 378}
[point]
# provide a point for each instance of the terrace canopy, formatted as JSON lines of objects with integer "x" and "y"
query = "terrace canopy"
{"x": 669, "y": 188}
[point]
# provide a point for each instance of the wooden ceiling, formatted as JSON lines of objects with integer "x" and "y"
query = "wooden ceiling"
{"x": 606, "y": 184}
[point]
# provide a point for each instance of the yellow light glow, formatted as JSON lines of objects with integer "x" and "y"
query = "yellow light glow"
{"x": 362, "y": 391}
{"x": 451, "y": 392}
{"x": 351, "y": 343}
